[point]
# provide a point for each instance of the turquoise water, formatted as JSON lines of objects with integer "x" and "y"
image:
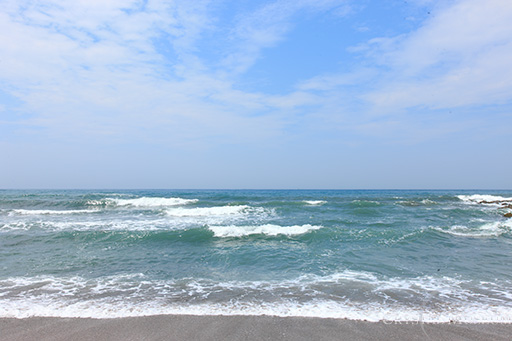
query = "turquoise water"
{"x": 375, "y": 255}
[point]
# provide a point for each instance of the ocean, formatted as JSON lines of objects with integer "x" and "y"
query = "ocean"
{"x": 375, "y": 255}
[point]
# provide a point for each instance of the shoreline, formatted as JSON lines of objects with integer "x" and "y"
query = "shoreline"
{"x": 241, "y": 327}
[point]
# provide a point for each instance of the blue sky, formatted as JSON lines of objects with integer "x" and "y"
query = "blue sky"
{"x": 256, "y": 94}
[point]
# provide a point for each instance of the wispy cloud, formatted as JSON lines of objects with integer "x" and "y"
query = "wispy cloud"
{"x": 168, "y": 74}
{"x": 459, "y": 57}
{"x": 267, "y": 26}
{"x": 100, "y": 66}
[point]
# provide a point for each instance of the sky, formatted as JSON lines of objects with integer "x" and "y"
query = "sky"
{"x": 306, "y": 94}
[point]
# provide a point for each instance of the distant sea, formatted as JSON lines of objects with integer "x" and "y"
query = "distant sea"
{"x": 433, "y": 256}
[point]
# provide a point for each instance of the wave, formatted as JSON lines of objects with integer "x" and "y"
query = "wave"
{"x": 49, "y": 212}
{"x": 413, "y": 203}
{"x": 207, "y": 211}
{"x": 360, "y": 203}
{"x": 267, "y": 229}
{"x": 169, "y": 220}
{"x": 348, "y": 294}
{"x": 314, "y": 202}
{"x": 121, "y": 225}
{"x": 485, "y": 199}
{"x": 492, "y": 229}
{"x": 149, "y": 202}
{"x": 218, "y": 215}
{"x": 55, "y": 226}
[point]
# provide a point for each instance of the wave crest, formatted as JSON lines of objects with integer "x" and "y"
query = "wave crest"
{"x": 267, "y": 229}
{"x": 485, "y": 199}
{"x": 208, "y": 211}
{"x": 152, "y": 202}
{"x": 314, "y": 202}
{"x": 493, "y": 229}
{"x": 49, "y": 212}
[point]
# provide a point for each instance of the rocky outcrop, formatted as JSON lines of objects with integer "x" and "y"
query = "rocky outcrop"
{"x": 505, "y": 204}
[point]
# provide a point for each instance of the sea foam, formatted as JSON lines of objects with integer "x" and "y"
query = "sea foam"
{"x": 208, "y": 211}
{"x": 49, "y": 212}
{"x": 491, "y": 229}
{"x": 484, "y": 199}
{"x": 267, "y": 229}
{"x": 152, "y": 202}
{"x": 314, "y": 202}
{"x": 135, "y": 295}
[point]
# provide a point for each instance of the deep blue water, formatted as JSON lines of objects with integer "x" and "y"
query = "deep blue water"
{"x": 375, "y": 255}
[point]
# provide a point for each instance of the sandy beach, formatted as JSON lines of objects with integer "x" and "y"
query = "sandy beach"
{"x": 182, "y": 327}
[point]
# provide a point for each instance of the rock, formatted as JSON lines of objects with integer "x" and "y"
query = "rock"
{"x": 508, "y": 215}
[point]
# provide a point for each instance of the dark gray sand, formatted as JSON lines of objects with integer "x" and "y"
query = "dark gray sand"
{"x": 225, "y": 328}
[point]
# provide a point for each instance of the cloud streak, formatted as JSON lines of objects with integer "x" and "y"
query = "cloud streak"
{"x": 169, "y": 75}
{"x": 459, "y": 57}
{"x": 97, "y": 66}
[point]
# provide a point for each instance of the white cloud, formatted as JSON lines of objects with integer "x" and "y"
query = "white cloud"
{"x": 97, "y": 66}
{"x": 93, "y": 68}
{"x": 459, "y": 57}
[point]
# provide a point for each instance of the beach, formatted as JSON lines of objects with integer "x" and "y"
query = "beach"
{"x": 255, "y": 170}
{"x": 225, "y": 328}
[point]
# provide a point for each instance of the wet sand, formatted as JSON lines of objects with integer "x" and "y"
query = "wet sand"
{"x": 225, "y": 328}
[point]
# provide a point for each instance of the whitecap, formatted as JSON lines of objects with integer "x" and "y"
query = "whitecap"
{"x": 48, "y": 212}
{"x": 314, "y": 202}
{"x": 218, "y": 215}
{"x": 152, "y": 202}
{"x": 485, "y": 199}
{"x": 137, "y": 295}
{"x": 19, "y": 225}
{"x": 491, "y": 229}
{"x": 208, "y": 211}
{"x": 267, "y": 229}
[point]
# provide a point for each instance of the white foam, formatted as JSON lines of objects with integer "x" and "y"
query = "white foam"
{"x": 218, "y": 215}
{"x": 19, "y": 225}
{"x": 113, "y": 225}
{"x": 209, "y": 211}
{"x": 320, "y": 309}
{"x": 365, "y": 202}
{"x": 314, "y": 202}
{"x": 168, "y": 219}
{"x": 127, "y": 295}
{"x": 411, "y": 202}
{"x": 267, "y": 229}
{"x": 48, "y": 212}
{"x": 152, "y": 202}
{"x": 484, "y": 199}
{"x": 98, "y": 225}
{"x": 492, "y": 229}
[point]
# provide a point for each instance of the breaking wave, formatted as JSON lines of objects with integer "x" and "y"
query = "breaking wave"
{"x": 485, "y": 199}
{"x": 151, "y": 202}
{"x": 492, "y": 229}
{"x": 49, "y": 212}
{"x": 267, "y": 229}
{"x": 314, "y": 202}
{"x": 349, "y": 294}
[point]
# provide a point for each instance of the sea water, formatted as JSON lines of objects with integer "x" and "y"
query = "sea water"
{"x": 434, "y": 256}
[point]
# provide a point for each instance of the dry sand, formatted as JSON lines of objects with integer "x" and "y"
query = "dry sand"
{"x": 225, "y": 328}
